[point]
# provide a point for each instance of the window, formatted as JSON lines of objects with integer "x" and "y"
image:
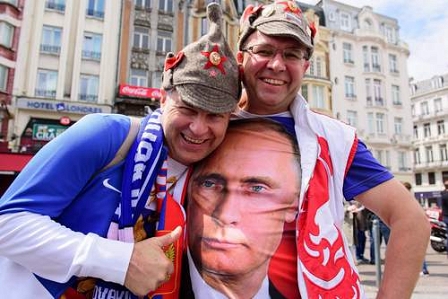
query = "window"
{"x": 51, "y": 40}
{"x": 13, "y": 2}
{"x": 383, "y": 157}
{"x": 319, "y": 66}
{"x": 352, "y": 118}
{"x": 58, "y": 5}
{"x": 393, "y": 68}
{"x": 88, "y": 88}
{"x": 316, "y": 66}
{"x": 95, "y": 8}
{"x": 402, "y": 165}
{"x": 418, "y": 179}
{"x": 398, "y": 125}
{"x": 426, "y": 130}
{"x": 367, "y": 24}
{"x": 368, "y": 92}
{"x": 46, "y": 83}
{"x": 415, "y": 132}
{"x": 345, "y": 21}
{"x": 441, "y": 127}
{"x": 142, "y": 4}
{"x": 318, "y": 97}
{"x": 431, "y": 178}
{"x": 350, "y": 87}
{"x": 304, "y": 91}
{"x": 92, "y": 46}
{"x": 443, "y": 152}
{"x": 424, "y": 108}
{"x": 370, "y": 123}
{"x": 6, "y": 34}
{"x": 166, "y": 5}
{"x": 429, "y": 154}
{"x": 389, "y": 32}
{"x": 4, "y": 71}
{"x": 375, "y": 56}
{"x": 365, "y": 56}
{"x": 157, "y": 79}
{"x": 396, "y": 95}
{"x": 139, "y": 78}
{"x": 164, "y": 41}
{"x": 438, "y": 105}
{"x": 417, "y": 159}
{"x": 204, "y": 26}
{"x": 347, "y": 53}
{"x": 141, "y": 38}
{"x": 380, "y": 123}
{"x": 379, "y": 101}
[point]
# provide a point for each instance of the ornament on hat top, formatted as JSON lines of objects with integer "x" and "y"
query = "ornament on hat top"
{"x": 215, "y": 59}
{"x": 291, "y": 6}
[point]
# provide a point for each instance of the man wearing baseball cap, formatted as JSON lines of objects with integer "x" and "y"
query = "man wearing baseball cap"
{"x": 104, "y": 199}
{"x": 314, "y": 259}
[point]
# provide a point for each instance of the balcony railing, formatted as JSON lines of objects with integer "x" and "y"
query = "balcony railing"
{"x": 47, "y": 93}
{"x": 55, "y": 6}
{"x": 88, "y": 97}
{"x": 91, "y": 55}
{"x": 50, "y": 49}
{"x": 95, "y": 13}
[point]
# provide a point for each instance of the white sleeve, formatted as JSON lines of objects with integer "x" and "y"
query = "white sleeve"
{"x": 55, "y": 252}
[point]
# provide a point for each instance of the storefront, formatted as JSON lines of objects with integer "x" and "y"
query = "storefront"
{"x": 137, "y": 100}
{"x": 10, "y": 166}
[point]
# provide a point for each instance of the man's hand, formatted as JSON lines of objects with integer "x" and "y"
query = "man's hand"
{"x": 149, "y": 267}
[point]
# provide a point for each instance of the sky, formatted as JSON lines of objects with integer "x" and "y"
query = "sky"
{"x": 423, "y": 26}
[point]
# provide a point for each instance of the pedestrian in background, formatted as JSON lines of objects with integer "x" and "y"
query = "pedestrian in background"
{"x": 360, "y": 227}
{"x": 444, "y": 199}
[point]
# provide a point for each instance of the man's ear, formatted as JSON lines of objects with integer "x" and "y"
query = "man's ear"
{"x": 306, "y": 65}
{"x": 162, "y": 97}
{"x": 239, "y": 57}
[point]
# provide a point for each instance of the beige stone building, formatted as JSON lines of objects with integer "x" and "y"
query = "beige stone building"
{"x": 66, "y": 68}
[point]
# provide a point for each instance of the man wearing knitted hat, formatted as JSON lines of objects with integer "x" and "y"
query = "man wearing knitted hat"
{"x": 275, "y": 46}
{"x": 104, "y": 199}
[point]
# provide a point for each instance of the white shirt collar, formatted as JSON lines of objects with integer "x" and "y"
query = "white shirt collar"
{"x": 202, "y": 290}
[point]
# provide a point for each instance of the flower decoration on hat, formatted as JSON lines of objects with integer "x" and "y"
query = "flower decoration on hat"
{"x": 172, "y": 61}
{"x": 215, "y": 59}
{"x": 313, "y": 30}
{"x": 291, "y": 6}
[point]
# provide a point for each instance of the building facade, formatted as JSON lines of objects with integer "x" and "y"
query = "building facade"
{"x": 370, "y": 82}
{"x": 317, "y": 85}
{"x": 430, "y": 136}
{"x": 66, "y": 68}
{"x": 11, "y": 15}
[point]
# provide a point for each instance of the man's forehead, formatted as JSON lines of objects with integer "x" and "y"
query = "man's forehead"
{"x": 258, "y": 37}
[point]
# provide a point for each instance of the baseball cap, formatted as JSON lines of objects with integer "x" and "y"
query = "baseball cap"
{"x": 205, "y": 73}
{"x": 281, "y": 18}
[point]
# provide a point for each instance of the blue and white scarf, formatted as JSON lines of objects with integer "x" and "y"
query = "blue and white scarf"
{"x": 142, "y": 165}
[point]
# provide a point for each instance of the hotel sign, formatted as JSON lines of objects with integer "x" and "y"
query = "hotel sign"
{"x": 57, "y": 106}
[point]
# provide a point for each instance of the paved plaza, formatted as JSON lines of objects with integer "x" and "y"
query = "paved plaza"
{"x": 434, "y": 286}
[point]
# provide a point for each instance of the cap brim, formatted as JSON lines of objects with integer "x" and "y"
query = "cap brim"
{"x": 206, "y": 98}
{"x": 282, "y": 28}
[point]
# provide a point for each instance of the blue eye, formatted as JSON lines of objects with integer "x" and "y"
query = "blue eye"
{"x": 257, "y": 188}
{"x": 208, "y": 184}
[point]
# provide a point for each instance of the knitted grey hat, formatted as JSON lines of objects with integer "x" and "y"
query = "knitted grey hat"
{"x": 205, "y": 73}
{"x": 281, "y": 18}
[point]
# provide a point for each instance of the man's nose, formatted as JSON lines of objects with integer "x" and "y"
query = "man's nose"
{"x": 227, "y": 211}
{"x": 277, "y": 62}
{"x": 199, "y": 125}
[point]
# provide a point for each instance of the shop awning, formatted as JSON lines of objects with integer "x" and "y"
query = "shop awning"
{"x": 13, "y": 162}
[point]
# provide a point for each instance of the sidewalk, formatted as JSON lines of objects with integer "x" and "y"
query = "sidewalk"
{"x": 434, "y": 286}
